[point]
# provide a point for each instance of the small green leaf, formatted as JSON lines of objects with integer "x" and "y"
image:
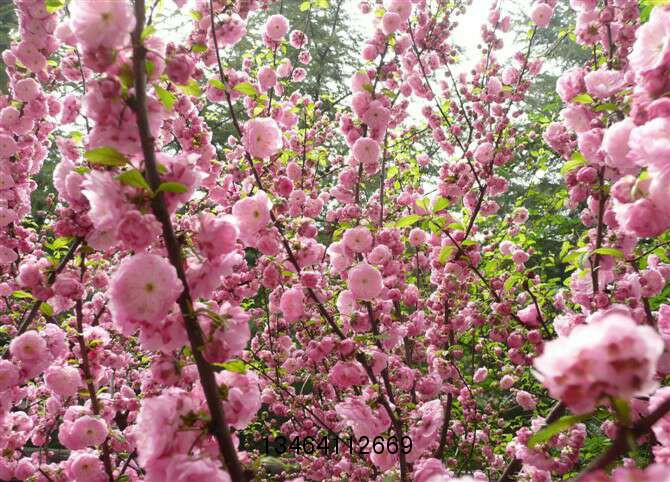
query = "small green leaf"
{"x": 445, "y": 252}
{"x": 192, "y": 88}
{"x": 172, "y": 187}
{"x": 81, "y": 170}
{"x": 106, "y": 156}
{"x": 305, "y": 6}
{"x": 440, "y": 204}
{"x": 622, "y": 409}
{"x": 557, "y": 427}
{"x": 408, "y": 221}
{"x": 583, "y": 98}
{"x": 217, "y": 84}
{"x": 46, "y": 309}
{"x": 617, "y": 253}
{"x": 134, "y": 178}
{"x": 53, "y": 6}
{"x": 148, "y": 31}
{"x": 22, "y": 295}
{"x": 237, "y": 366}
{"x": 166, "y": 97}
{"x": 575, "y": 161}
{"x": 246, "y": 88}
{"x": 199, "y": 48}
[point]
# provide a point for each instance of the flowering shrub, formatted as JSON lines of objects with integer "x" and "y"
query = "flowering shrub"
{"x": 238, "y": 280}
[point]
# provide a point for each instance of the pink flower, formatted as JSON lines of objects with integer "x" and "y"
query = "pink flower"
{"x": 494, "y": 86}
{"x": 480, "y": 375}
{"x": 244, "y": 397}
{"x": 484, "y": 152}
{"x": 662, "y": 427}
{"x": 652, "y": 44}
{"x": 26, "y": 89}
{"x": 615, "y": 144}
{"x": 604, "y": 83}
{"x": 391, "y": 22}
{"x": 267, "y": 78}
{"x": 526, "y": 400}
{"x": 359, "y": 416}
{"x": 9, "y": 375}
{"x": 276, "y": 27}
{"x": 417, "y": 237}
{"x": 292, "y": 304}
{"x": 62, "y": 380}
{"x": 529, "y": 316}
{"x": 431, "y": 470}
{"x": 345, "y": 302}
{"x": 650, "y": 143}
{"x": 8, "y": 146}
{"x": 570, "y": 84}
{"x": 506, "y": 382}
{"x": 347, "y": 374}
{"x": 252, "y": 213}
{"x": 217, "y": 236}
{"x": 180, "y": 68}
{"x": 366, "y": 150}
{"x": 262, "y": 137}
{"x": 541, "y": 14}
{"x": 85, "y": 466}
{"x": 137, "y": 230}
{"x": 365, "y": 282}
{"x": 183, "y": 468}
{"x": 143, "y": 290}
{"x": 401, "y": 7}
{"x": 642, "y": 218}
{"x": 611, "y": 356}
{"x": 89, "y": 431}
{"x": 358, "y": 239}
{"x": 231, "y": 29}
{"x": 29, "y": 347}
{"x": 104, "y": 23}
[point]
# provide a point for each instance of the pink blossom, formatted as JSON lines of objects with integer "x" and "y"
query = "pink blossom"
{"x": 650, "y": 143}
{"x": 262, "y": 137}
{"x": 89, "y": 431}
{"x": 62, "y": 380}
{"x": 244, "y": 397}
{"x": 217, "y": 236}
{"x": 29, "y": 347}
{"x": 359, "y": 416}
{"x": 292, "y": 304}
{"x": 104, "y": 23}
{"x": 267, "y": 78}
{"x": 358, "y": 239}
{"x": 604, "y": 83}
{"x": 541, "y": 14}
{"x": 391, "y": 22}
{"x": 612, "y": 356}
{"x": 183, "y": 468}
{"x": 365, "y": 282}
{"x": 347, "y": 374}
{"x": 526, "y": 400}
{"x": 143, "y": 290}
{"x": 85, "y": 466}
{"x": 652, "y": 44}
{"x": 276, "y": 27}
{"x": 615, "y": 144}
{"x": 366, "y": 150}
{"x": 9, "y": 375}
{"x": 252, "y": 213}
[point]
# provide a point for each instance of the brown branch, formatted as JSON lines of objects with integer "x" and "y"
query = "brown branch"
{"x": 219, "y": 426}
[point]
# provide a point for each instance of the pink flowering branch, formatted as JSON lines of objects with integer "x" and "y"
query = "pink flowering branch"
{"x": 219, "y": 426}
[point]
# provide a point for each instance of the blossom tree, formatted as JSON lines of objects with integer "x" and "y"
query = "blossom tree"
{"x": 335, "y": 289}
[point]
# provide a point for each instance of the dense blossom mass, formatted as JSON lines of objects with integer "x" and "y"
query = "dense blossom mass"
{"x": 241, "y": 274}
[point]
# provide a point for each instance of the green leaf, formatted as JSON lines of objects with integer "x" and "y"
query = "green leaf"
{"x": 149, "y": 67}
{"x": 323, "y": 4}
{"x": 134, "y": 178}
{"x": 46, "y": 309}
{"x": 304, "y": 6}
{"x": 606, "y": 106}
{"x": 81, "y": 170}
{"x": 22, "y": 295}
{"x": 440, "y": 204}
{"x": 166, "y": 97}
{"x": 172, "y": 187}
{"x": 192, "y": 88}
{"x": 583, "y": 98}
{"x": 53, "y": 6}
{"x": 575, "y": 161}
{"x": 246, "y": 88}
{"x": 148, "y": 31}
{"x": 199, "y": 48}
{"x": 237, "y": 366}
{"x": 617, "y": 253}
{"x": 558, "y": 426}
{"x": 106, "y": 156}
{"x": 622, "y": 409}
{"x": 445, "y": 252}
{"x": 407, "y": 221}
